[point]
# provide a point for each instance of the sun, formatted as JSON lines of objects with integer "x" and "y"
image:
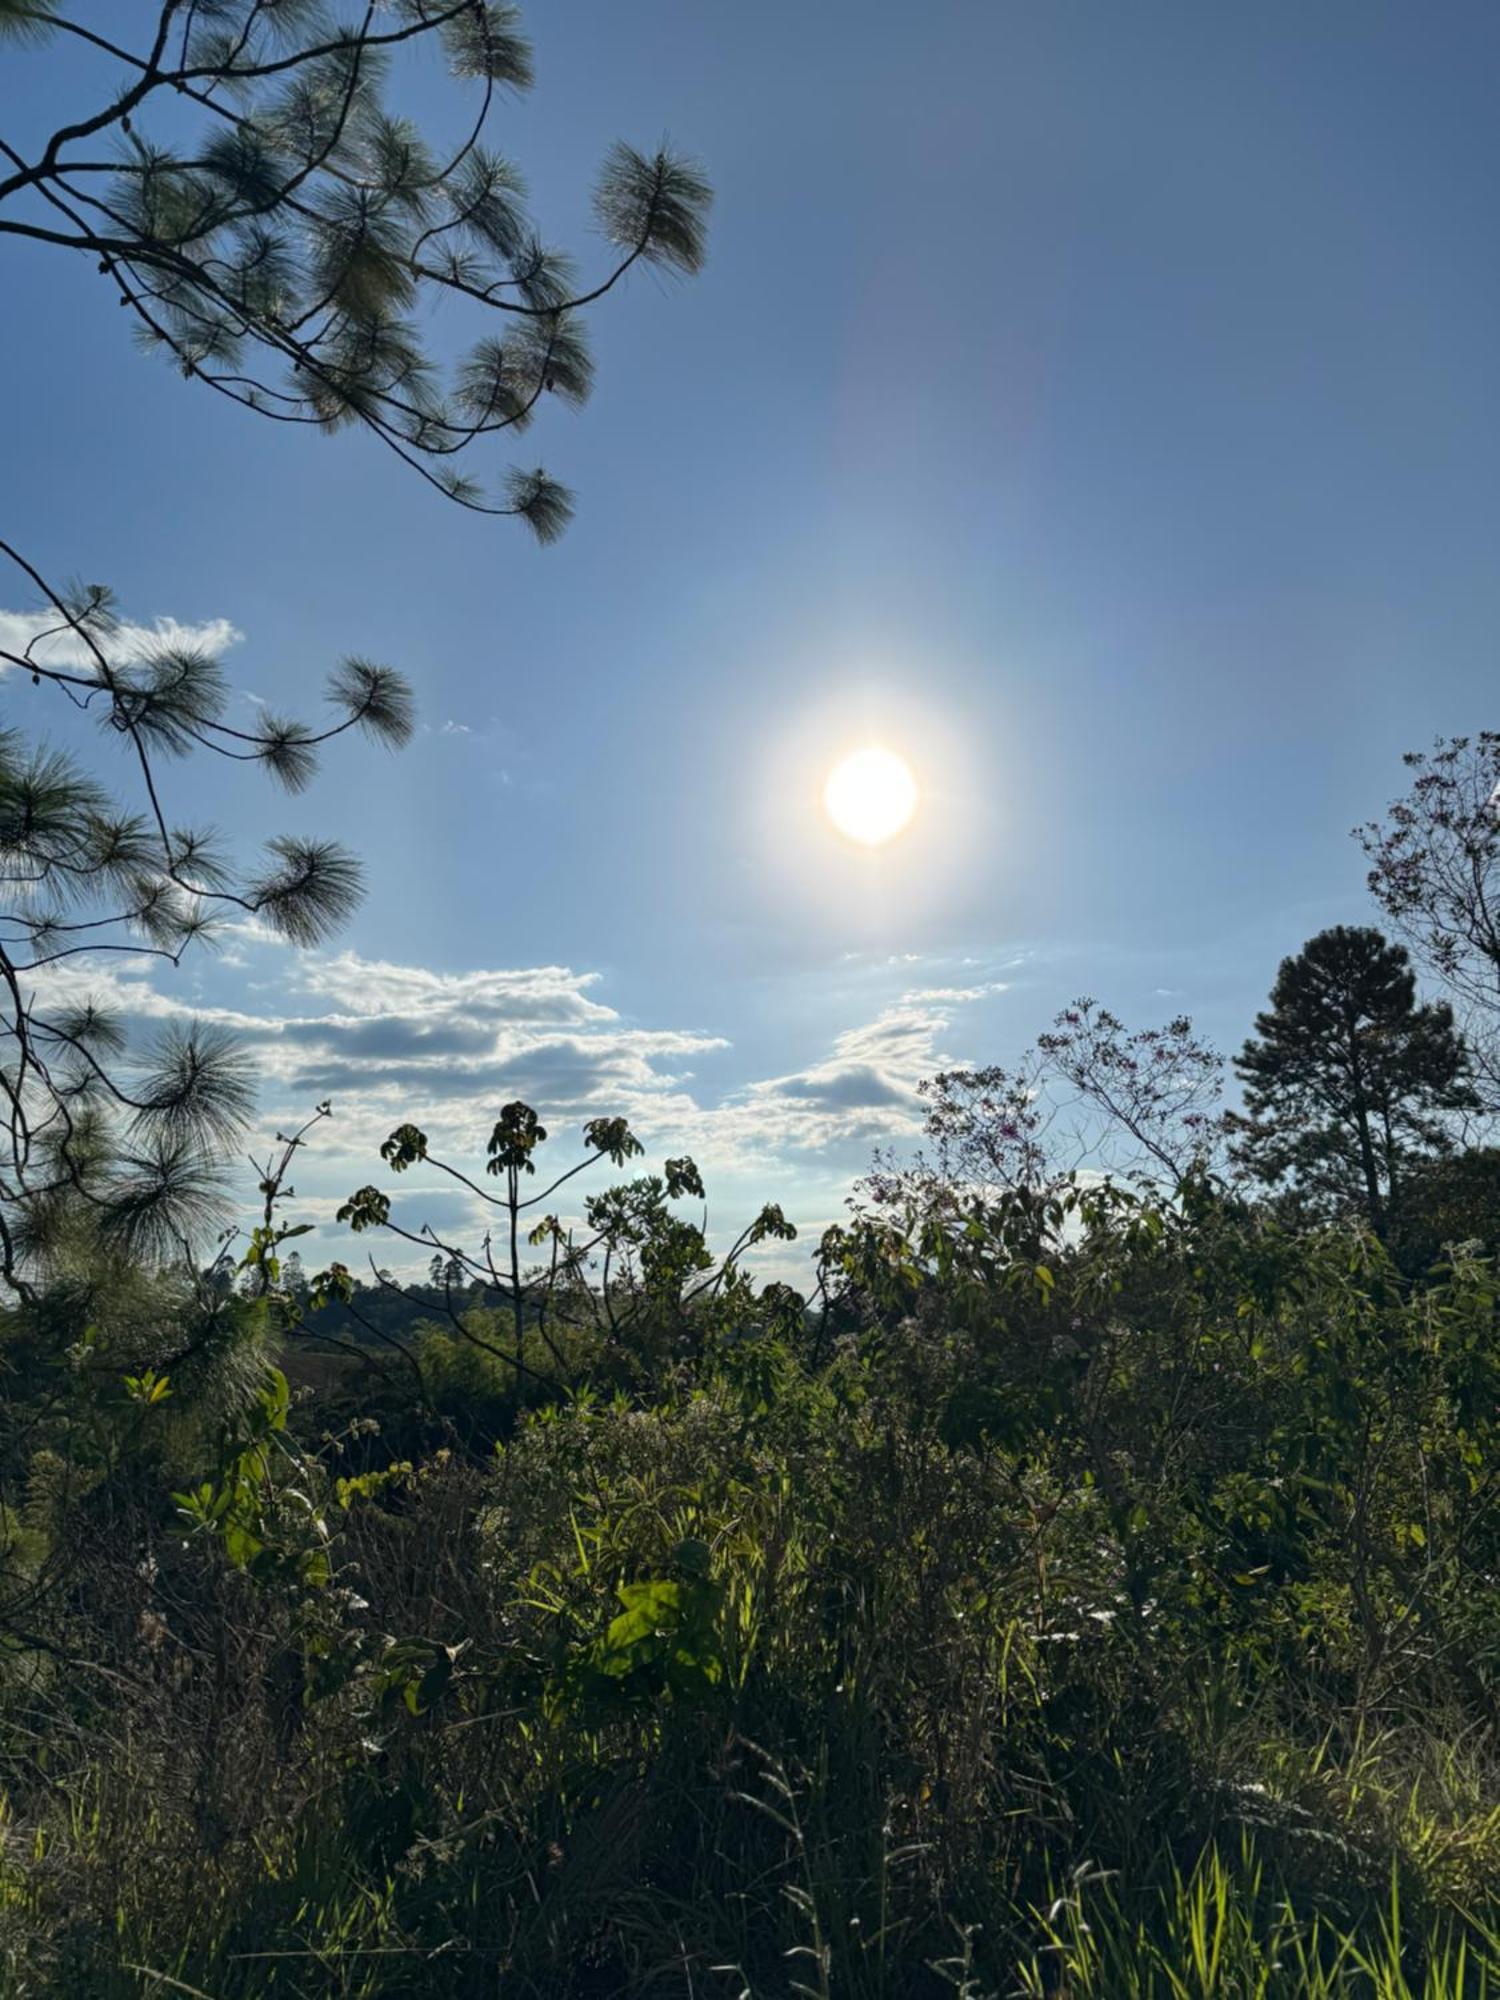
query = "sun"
{"x": 870, "y": 795}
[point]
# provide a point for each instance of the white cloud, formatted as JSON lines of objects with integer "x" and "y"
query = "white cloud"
{"x": 401, "y": 1039}
{"x": 864, "y": 1092}
{"x": 530, "y": 993}
{"x": 388, "y": 1043}
{"x": 956, "y": 996}
{"x": 18, "y": 630}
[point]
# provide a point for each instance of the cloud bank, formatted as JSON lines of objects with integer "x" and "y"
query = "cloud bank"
{"x": 388, "y": 1043}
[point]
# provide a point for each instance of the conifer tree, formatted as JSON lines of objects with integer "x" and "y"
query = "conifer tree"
{"x": 120, "y": 1145}
{"x": 245, "y": 190}
{"x": 1347, "y": 1077}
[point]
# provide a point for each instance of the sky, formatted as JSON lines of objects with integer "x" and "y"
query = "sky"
{"x": 1095, "y": 404}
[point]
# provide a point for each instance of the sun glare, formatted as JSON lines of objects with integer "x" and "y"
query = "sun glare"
{"x": 870, "y": 795}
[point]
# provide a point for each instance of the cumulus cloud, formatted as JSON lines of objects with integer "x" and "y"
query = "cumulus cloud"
{"x": 864, "y": 1092}
{"x": 530, "y": 993}
{"x": 957, "y": 996}
{"x": 385, "y": 1037}
{"x": 19, "y": 629}
{"x": 388, "y": 1043}
{"x": 399, "y": 1042}
{"x": 860, "y": 1087}
{"x": 595, "y": 1073}
{"x": 402, "y": 1041}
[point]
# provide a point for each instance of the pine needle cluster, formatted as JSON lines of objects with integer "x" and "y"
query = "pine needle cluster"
{"x": 286, "y": 244}
{"x": 130, "y": 1144}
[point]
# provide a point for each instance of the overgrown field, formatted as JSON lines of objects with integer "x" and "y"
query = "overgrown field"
{"x": 1089, "y": 1603}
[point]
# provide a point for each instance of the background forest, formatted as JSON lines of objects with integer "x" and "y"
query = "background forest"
{"x": 1074, "y": 1572}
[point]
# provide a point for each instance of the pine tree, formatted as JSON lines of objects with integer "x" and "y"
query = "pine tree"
{"x": 102, "y": 1140}
{"x": 1347, "y": 1078}
{"x": 285, "y": 242}
{"x": 241, "y": 186}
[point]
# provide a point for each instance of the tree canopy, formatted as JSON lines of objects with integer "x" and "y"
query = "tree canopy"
{"x": 248, "y": 193}
{"x": 245, "y": 188}
{"x": 134, "y": 1141}
{"x": 1435, "y": 871}
{"x": 1348, "y": 1076}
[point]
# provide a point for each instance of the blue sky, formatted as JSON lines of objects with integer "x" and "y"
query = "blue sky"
{"x": 1096, "y": 403}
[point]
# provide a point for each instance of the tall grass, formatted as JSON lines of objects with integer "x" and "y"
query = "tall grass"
{"x": 1136, "y": 1636}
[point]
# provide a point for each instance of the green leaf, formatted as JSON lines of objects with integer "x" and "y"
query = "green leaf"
{"x": 276, "y": 1400}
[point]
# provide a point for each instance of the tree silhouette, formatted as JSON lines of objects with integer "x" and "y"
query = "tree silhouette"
{"x": 1435, "y": 871}
{"x": 284, "y": 247}
{"x": 239, "y": 182}
{"x": 1347, "y": 1078}
{"x": 631, "y": 1256}
{"x": 128, "y": 1145}
{"x": 1141, "y": 1104}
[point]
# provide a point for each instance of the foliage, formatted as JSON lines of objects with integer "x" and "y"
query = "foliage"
{"x": 247, "y": 193}
{"x": 1097, "y": 1596}
{"x": 1447, "y": 1199}
{"x": 1142, "y": 1103}
{"x": 1347, "y": 1076}
{"x": 620, "y": 1284}
{"x": 1435, "y": 871}
{"x": 268, "y": 220}
{"x": 1087, "y": 1587}
{"x": 129, "y": 1144}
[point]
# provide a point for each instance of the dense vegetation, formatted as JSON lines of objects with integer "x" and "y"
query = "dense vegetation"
{"x": 1086, "y": 1582}
{"x": 1087, "y": 1586}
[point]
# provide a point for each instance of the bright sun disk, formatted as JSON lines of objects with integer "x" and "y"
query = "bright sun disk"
{"x": 870, "y": 795}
